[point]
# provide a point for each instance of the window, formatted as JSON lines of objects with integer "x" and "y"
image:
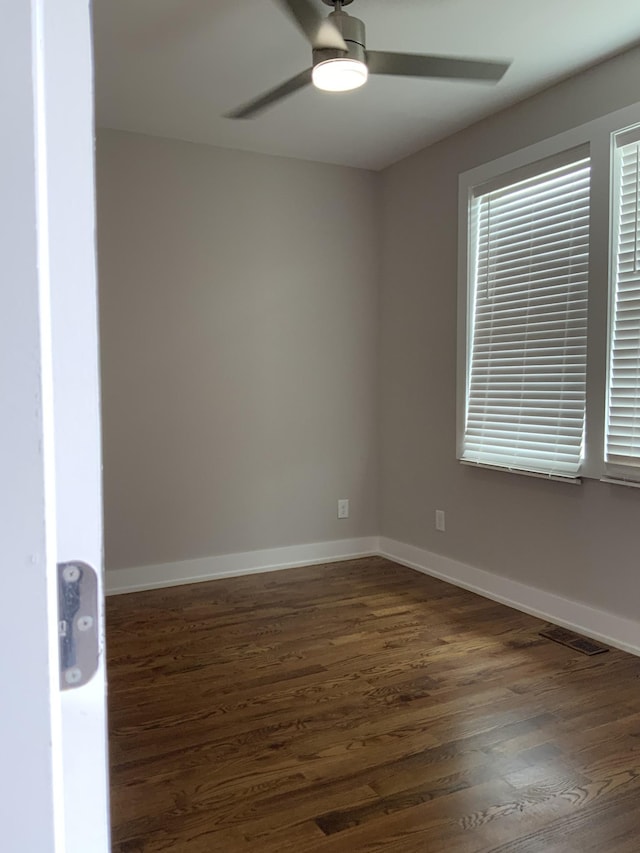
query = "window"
{"x": 527, "y": 324}
{"x": 548, "y": 237}
{"x": 622, "y": 454}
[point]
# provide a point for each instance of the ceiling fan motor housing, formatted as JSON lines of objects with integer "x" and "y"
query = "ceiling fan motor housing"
{"x": 353, "y": 32}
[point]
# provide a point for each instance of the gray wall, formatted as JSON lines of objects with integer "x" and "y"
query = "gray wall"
{"x": 238, "y": 321}
{"x": 579, "y": 542}
{"x": 253, "y": 371}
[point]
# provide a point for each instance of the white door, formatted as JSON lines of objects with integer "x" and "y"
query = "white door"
{"x": 53, "y": 786}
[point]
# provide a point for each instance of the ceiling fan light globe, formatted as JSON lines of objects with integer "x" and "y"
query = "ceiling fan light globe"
{"x": 339, "y": 75}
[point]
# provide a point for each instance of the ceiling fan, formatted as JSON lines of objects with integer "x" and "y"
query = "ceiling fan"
{"x": 342, "y": 62}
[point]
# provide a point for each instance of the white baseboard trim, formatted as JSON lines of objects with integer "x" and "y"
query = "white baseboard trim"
{"x": 119, "y": 581}
{"x": 601, "y": 625}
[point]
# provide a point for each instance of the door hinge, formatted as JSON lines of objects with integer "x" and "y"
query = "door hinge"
{"x": 78, "y": 623}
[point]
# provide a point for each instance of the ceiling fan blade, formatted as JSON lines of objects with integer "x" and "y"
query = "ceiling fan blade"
{"x": 282, "y": 91}
{"x": 422, "y": 65}
{"x": 320, "y": 31}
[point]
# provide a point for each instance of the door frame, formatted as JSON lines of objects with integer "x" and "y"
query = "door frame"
{"x": 53, "y": 798}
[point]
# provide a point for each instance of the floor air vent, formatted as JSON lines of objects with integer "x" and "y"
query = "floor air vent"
{"x": 573, "y": 641}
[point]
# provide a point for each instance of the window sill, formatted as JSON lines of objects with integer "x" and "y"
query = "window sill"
{"x": 558, "y": 478}
{"x": 616, "y": 482}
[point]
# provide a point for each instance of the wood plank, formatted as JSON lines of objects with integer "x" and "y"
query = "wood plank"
{"x": 360, "y": 707}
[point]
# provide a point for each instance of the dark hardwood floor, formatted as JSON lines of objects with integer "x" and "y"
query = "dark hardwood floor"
{"x": 360, "y": 707}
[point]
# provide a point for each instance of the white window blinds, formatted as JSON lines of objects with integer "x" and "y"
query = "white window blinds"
{"x": 526, "y": 374}
{"x": 622, "y": 453}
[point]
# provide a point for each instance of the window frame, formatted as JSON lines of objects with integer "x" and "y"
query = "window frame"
{"x": 597, "y": 137}
{"x": 613, "y": 472}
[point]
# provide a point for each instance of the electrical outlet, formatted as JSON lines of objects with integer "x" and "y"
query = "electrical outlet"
{"x": 343, "y": 508}
{"x": 440, "y": 519}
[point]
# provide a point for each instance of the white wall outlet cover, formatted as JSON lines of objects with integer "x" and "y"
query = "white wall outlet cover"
{"x": 343, "y": 508}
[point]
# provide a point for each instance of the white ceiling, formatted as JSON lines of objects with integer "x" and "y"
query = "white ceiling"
{"x": 174, "y": 67}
